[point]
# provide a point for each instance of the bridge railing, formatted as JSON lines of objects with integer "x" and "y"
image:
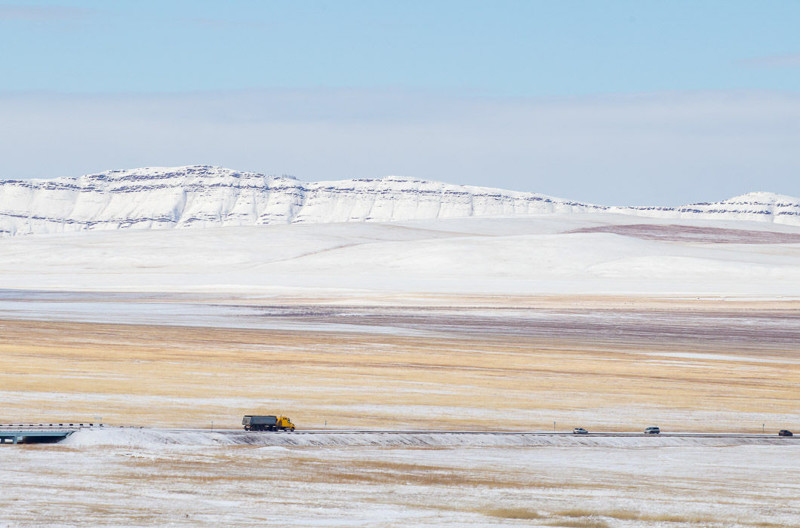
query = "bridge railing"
{"x": 60, "y": 425}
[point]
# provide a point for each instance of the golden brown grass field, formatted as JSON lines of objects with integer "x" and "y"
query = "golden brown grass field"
{"x": 606, "y": 376}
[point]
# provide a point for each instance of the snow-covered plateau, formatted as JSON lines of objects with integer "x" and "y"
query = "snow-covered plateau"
{"x": 124, "y": 231}
{"x": 203, "y": 196}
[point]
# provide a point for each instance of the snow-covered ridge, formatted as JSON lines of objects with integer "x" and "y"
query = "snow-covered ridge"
{"x": 757, "y": 206}
{"x": 199, "y": 195}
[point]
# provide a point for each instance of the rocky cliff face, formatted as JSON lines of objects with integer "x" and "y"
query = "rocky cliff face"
{"x": 195, "y": 196}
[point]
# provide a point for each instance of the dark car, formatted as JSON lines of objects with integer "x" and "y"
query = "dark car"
{"x": 652, "y": 430}
{"x": 580, "y": 430}
{"x": 785, "y": 432}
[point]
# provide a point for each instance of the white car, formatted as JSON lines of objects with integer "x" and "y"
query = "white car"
{"x": 652, "y": 430}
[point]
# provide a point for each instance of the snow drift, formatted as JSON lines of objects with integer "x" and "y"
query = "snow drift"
{"x": 148, "y": 438}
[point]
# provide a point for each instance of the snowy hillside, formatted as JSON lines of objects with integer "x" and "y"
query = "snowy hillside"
{"x": 195, "y": 196}
{"x": 551, "y": 254}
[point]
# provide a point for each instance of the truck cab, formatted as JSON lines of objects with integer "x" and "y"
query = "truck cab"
{"x": 285, "y": 423}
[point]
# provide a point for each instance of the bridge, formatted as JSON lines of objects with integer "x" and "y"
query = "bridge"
{"x": 40, "y": 433}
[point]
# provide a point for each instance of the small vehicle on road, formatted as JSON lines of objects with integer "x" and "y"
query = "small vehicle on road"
{"x": 580, "y": 430}
{"x": 652, "y": 430}
{"x": 785, "y": 432}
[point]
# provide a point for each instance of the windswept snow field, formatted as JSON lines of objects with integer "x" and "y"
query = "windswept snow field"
{"x": 604, "y": 321}
{"x": 548, "y": 254}
{"x": 133, "y": 478}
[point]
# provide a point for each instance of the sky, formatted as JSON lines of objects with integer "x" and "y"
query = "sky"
{"x": 612, "y": 102}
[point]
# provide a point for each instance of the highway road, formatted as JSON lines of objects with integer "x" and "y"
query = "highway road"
{"x": 599, "y": 434}
{"x": 32, "y": 432}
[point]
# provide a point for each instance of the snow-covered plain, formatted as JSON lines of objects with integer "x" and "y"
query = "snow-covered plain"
{"x": 547, "y": 254}
{"x": 146, "y": 478}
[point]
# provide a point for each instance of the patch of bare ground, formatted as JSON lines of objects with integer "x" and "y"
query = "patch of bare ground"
{"x": 584, "y": 522}
{"x": 687, "y": 233}
{"x": 512, "y": 513}
{"x": 628, "y": 515}
{"x": 657, "y": 519}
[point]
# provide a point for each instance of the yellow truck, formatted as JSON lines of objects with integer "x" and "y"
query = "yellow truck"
{"x": 253, "y": 422}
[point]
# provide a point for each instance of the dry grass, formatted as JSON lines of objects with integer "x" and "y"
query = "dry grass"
{"x": 585, "y": 517}
{"x": 623, "y": 515}
{"x": 181, "y": 376}
{"x": 512, "y": 513}
{"x": 387, "y": 473}
{"x": 577, "y": 512}
{"x": 673, "y": 518}
{"x": 220, "y": 469}
{"x": 628, "y": 515}
{"x": 585, "y": 522}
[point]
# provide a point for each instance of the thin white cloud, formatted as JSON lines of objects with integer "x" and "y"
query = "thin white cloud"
{"x": 789, "y": 60}
{"x": 660, "y": 149}
{"x": 42, "y": 13}
{"x": 223, "y": 24}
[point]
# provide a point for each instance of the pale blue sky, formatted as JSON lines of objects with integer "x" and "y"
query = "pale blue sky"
{"x": 639, "y": 102}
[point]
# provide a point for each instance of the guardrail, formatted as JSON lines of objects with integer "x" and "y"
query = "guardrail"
{"x": 60, "y": 425}
{"x": 63, "y": 425}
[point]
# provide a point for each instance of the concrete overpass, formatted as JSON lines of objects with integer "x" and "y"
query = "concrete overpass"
{"x": 40, "y": 433}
